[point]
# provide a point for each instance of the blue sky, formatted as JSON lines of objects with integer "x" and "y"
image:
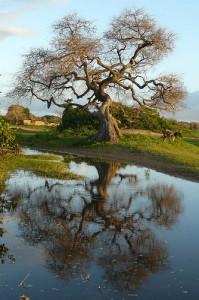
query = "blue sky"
{"x": 25, "y": 24}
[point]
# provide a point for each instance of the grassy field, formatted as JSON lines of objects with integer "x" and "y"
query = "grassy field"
{"x": 139, "y": 146}
{"x": 49, "y": 166}
{"x": 185, "y": 152}
{"x": 30, "y": 128}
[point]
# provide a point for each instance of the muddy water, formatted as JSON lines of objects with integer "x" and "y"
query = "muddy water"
{"x": 123, "y": 232}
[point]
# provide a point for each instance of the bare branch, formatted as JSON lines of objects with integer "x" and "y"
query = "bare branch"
{"x": 81, "y": 65}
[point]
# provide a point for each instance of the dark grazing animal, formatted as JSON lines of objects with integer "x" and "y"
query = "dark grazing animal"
{"x": 170, "y": 134}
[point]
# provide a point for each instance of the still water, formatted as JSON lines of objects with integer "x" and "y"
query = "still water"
{"x": 122, "y": 232}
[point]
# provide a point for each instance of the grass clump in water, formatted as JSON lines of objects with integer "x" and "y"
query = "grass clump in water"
{"x": 49, "y": 166}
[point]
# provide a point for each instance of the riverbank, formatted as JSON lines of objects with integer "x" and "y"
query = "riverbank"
{"x": 49, "y": 166}
{"x": 179, "y": 158}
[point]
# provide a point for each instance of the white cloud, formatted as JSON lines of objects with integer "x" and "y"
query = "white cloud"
{"x": 6, "y": 32}
{"x": 8, "y": 15}
{"x": 31, "y": 2}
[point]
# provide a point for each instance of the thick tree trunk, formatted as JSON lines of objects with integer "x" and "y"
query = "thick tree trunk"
{"x": 109, "y": 130}
{"x": 99, "y": 187}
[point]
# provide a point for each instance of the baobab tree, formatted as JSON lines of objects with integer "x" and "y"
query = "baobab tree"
{"x": 86, "y": 70}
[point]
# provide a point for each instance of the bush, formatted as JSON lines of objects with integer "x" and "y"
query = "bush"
{"x": 150, "y": 119}
{"x": 78, "y": 118}
{"x": 139, "y": 118}
{"x": 125, "y": 115}
{"x": 82, "y": 121}
{"x": 7, "y": 139}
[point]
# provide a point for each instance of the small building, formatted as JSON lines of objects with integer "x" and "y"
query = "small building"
{"x": 38, "y": 123}
{"x": 27, "y": 122}
{"x": 34, "y": 122}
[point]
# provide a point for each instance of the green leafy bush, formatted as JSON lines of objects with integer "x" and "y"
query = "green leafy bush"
{"x": 7, "y": 139}
{"x": 78, "y": 118}
{"x": 125, "y": 115}
{"x": 150, "y": 119}
{"x": 139, "y": 118}
{"x": 82, "y": 121}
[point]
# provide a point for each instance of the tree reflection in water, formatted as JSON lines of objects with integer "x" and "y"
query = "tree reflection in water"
{"x": 6, "y": 205}
{"x": 107, "y": 221}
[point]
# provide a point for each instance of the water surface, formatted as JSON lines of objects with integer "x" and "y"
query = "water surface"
{"x": 121, "y": 232}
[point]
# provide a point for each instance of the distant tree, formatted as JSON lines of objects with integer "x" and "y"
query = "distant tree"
{"x": 194, "y": 126}
{"x": 51, "y": 118}
{"x": 96, "y": 69}
{"x": 17, "y": 113}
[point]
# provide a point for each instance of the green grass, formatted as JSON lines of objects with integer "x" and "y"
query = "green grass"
{"x": 30, "y": 128}
{"x": 182, "y": 152}
{"x": 52, "y": 138}
{"x": 194, "y": 142}
{"x": 49, "y": 166}
{"x": 188, "y": 133}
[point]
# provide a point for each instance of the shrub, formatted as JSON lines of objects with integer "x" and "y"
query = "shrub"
{"x": 125, "y": 115}
{"x": 150, "y": 119}
{"x": 81, "y": 120}
{"x": 78, "y": 118}
{"x": 139, "y": 118}
{"x": 7, "y": 139}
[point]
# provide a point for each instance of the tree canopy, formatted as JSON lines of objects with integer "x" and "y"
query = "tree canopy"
{"x": 18, "y": 113}
{"x": 91, "y": 70}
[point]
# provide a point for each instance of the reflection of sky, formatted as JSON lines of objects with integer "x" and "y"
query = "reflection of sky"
{"x": 181, "y": 239}
{"x": 119, "y": 192}
{"x": 145, "y": 178}
{"x": 28, "y": 151}
{"x": 84, "y": 169}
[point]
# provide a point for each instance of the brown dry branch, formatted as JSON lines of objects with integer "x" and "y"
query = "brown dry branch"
{"x": 90, "y": 69}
